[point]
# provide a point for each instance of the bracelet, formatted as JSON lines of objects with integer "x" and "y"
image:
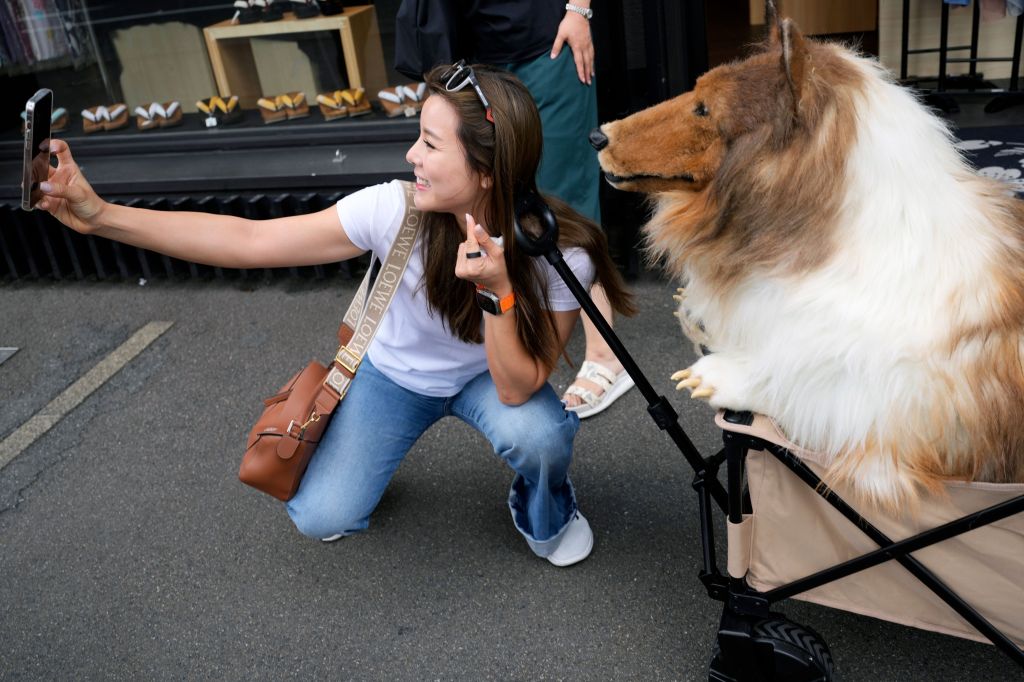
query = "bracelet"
{"x": 584, "y": 12}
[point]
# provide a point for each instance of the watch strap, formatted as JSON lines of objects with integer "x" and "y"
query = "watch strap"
{"x": 504, "y": 304}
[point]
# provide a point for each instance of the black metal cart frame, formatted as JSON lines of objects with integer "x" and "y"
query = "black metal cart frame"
{"x": 739, "y": 637}
{"x": 734, "y": 452}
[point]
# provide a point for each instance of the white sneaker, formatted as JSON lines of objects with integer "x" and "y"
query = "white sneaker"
{"x": 576, "y": 543}
{"x": 333, "y": 538}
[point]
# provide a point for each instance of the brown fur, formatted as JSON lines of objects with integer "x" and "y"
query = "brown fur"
{"x": 747, "y": 173}
{"x": 753, "y": 137}
{"x": 989, "y": 400}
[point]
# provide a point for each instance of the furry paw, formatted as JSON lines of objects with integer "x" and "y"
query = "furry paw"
{"x": 698, "y": 389}
{"x": 692, "y": 328}
{"x": 720, "y": 380}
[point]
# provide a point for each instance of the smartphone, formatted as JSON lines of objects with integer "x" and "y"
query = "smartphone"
{"x": 36, "y": 161}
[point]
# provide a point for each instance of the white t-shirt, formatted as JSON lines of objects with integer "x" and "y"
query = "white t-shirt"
{"x": 413, "y": 347}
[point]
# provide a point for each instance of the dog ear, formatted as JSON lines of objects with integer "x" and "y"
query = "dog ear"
{"x": 794, "y": 59}
{"x": 771, "y": 18}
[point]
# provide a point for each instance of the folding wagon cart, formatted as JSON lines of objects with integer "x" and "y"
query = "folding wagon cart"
{"x": 956, "y": 567}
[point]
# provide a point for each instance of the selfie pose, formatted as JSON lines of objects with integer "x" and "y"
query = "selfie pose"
{"x": 437, "y": 352}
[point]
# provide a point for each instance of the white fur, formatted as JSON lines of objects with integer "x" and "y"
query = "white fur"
{"x": 842, "y": 354}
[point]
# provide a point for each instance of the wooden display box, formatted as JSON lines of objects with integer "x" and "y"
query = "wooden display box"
{"x": 234, "y": 67}
{"x": 815, "y": 17}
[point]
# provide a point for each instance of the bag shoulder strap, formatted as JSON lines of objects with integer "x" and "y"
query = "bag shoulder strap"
{"x": 367, "y": 309}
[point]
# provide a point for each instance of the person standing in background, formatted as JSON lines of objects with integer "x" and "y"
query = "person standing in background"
{"x": 548, "y": 46}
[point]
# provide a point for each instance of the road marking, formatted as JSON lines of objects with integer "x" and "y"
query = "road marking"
{"x": 73, "y": 395}
{"x": 6, "y": 353}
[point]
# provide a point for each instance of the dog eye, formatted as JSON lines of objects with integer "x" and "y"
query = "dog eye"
{"x": 701, "y": 109}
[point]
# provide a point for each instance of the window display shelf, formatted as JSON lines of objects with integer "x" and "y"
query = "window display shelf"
{"x": 241, "y": 169}
{"x": 311, "y": 154}
{"x": 234, "y": 67}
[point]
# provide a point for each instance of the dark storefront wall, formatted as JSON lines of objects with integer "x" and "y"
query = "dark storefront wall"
{"x": 647, "y": 51}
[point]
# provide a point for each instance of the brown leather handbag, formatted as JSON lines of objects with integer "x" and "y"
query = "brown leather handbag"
{"x": 284, "y": 438}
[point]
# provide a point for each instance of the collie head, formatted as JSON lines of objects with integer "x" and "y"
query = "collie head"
{"x": 754, "y": 166}
{"x": 751, "y": 162}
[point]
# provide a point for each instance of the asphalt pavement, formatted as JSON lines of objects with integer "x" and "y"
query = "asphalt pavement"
{"x": 129, "y": 550}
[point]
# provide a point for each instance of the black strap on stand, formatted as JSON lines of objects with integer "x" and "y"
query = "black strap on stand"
{"x": 544, "y": 242}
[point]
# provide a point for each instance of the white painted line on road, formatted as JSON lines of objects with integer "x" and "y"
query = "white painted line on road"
{"x": 6, "y": 353}
{"x": 46, "y": 418}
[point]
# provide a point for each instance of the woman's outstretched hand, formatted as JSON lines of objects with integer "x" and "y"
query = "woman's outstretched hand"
{"x": 68, "y": 197}
{"x": 487, "y": 269}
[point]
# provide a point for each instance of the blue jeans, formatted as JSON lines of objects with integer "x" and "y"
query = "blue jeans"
{"x": 378, "y": 422}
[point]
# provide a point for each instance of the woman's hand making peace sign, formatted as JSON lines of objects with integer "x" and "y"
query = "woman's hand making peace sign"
{"x": 481, "y": 260}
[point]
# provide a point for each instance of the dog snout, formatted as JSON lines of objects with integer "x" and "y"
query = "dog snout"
{"x": 598, "y": 139}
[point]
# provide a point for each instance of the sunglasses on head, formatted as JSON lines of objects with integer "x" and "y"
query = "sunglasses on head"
{"x": 458, "y": 76}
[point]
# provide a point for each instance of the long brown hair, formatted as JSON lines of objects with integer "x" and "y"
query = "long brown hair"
{"x": 508, "y": 151}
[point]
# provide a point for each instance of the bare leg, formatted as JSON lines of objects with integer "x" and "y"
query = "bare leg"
{"x": 597, "y": 350}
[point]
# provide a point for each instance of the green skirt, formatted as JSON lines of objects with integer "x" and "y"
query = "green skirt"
{"x": 568, "y": 112}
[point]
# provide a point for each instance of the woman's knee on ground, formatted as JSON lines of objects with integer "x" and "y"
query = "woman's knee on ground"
{"x": 545, "y": 436}
{"x": 318, "y": 520}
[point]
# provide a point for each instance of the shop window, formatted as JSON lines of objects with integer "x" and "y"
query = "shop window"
{"x": 137, "y": 52}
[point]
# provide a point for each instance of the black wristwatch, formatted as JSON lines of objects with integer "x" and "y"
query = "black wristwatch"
{"x": 489, "y": 301}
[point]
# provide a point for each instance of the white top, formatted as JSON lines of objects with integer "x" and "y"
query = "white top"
{"x": 413, "y": 346}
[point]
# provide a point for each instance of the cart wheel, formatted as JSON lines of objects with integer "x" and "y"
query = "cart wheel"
{"x": 784, "y": 652}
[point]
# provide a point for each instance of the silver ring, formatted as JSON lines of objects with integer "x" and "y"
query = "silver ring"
{"x": 474, "y": 254}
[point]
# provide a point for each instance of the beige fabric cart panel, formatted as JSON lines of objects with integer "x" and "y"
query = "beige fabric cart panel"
{"x": 793, "y": 533}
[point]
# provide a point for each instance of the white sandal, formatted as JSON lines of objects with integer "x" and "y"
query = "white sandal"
{"x": 613, "y": 386}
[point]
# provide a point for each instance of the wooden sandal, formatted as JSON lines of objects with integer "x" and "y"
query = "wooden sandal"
{"x": 157, "y": 115}
{"x": 304, "y": 9}
{"x": 117, "y": 116}
{"x": 392, "y": 100}
{"x": 330, "y": 8}
{"x": 295, "y": 104}
{"x": 146, "y": 115}
{"x": 220, "y": 111}
{"x": 332, "y": 106}
{"x": 226, "y": 111}
{"x": 59, "y": 120}
{"x": 95, "y": 119}
{"x": 206, "y": 107}
{"x": 245, "y": 12}
{"x": 270, "y": 10}
{"x": 356, "y": 100}
{"x": 414, "y": 94}
{"x": 272, "y": 109}
{"x": 92, "y": 121}
{"x": 172, "y": 114}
